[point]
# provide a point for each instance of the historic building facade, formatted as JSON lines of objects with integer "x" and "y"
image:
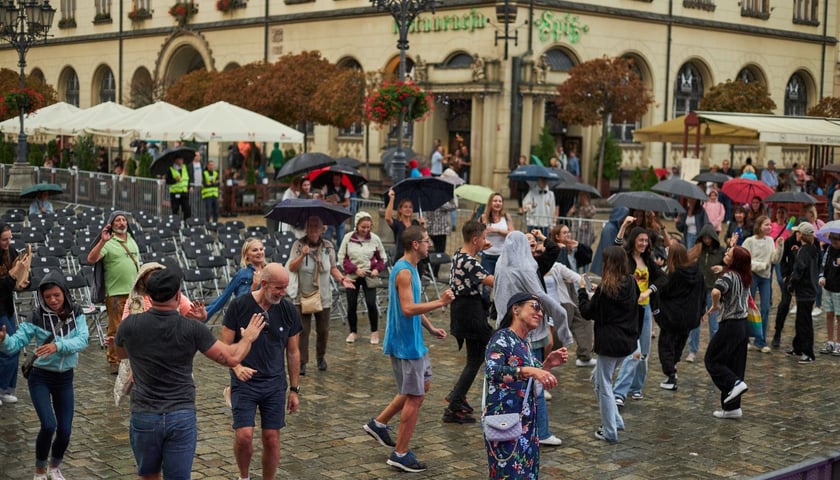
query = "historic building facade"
{"x": 493, "y": 83}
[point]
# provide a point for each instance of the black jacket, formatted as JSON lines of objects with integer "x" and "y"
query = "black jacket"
{"x": 831, "y": 269}
{"x": 618, "y": 321}
{"x": 789, "y": 250}
{"x": 709, "y": 256}
{"x": 803, "y": 280}
{"x": 681, "y": 299}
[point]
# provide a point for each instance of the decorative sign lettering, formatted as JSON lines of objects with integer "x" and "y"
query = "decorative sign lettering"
{"x": 553, "y": 28}
{"x": 467, "y": 22}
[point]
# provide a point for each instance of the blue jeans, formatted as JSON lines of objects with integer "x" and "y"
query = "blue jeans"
{"x": 8, "y": 362}
{"x": 694, "y": 335}
{"x": 542, "y": 408}
{"x": 52, "y": 397}
{"x": 633, "y": 372}
{"x": 338, "y": 230}
{"x": 164, "y": 441}
{"x": 690, "y": 239}
{"x": 489, "y": 264}
{"x": 764, "y": 286}
{"x": 777, "y": 268}
{"x": 211, "y": 208}
{"x": 602, "y": 376}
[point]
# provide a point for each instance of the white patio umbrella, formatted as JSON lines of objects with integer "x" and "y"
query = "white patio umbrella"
{"x": 133, "y": 122}
{"x": 33, "y": 121}
{"x": 223, "y": 122}
{"x": 95, "y": 117}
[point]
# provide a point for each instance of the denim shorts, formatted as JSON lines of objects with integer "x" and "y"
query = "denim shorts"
{"x": 412, "y": 375}
{"x": 831, "y": 301}
{"x": 164, "y": 442}
{"x": 246, "y": 397}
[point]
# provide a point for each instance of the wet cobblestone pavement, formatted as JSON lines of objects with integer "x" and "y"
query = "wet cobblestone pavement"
{"x": 790, "y": 415}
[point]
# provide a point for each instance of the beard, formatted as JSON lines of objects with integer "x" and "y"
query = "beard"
{"x": 120, "y": 231}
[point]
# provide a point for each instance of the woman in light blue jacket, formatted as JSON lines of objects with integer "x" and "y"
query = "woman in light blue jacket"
{"x": 59, "y": 329}
{"x": 246, "y": 280}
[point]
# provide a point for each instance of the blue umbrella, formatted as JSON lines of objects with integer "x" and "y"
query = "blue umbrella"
{"x": 296, "y": 211}
{"x": 827, "y": 229}
{"x": 533, "y": 173}
{"x": 426, "y": 193}
{"x": 32, "y": 190}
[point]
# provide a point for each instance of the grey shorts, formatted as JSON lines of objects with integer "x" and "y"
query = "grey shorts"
{"x": 412, "y": 375}
{"x": 831, "y": 301}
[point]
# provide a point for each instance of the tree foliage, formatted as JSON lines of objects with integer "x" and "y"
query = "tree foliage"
{"x": 827, "y": 107}
{"x": 190, "y": 91}
{"x": 10, "y": 80}
{"x": 546, "y": 146}
{"x": 642, "y": 180}
{"x": 738, "y": 96}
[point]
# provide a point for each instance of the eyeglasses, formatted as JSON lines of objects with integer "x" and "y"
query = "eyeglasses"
{"x": 535, "y": 305}
{"x": 425, "y": 240}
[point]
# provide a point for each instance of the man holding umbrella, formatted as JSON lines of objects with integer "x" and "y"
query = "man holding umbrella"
{"x": 179, "y": 179}
{"x": 538, "y": 206}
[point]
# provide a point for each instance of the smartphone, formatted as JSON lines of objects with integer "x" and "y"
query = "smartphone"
{"x": 110, "y": 229}
{"x": 588, "y": 283}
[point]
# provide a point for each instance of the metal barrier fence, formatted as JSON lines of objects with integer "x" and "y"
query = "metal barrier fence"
{"x": 824, "y": 468}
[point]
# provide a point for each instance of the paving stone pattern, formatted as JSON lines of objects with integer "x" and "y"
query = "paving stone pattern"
{"x": 790, "y": 415}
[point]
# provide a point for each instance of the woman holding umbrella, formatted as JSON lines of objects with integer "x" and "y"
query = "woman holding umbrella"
{"x": 405, "y": 219}
{"x": 41, "y": 204}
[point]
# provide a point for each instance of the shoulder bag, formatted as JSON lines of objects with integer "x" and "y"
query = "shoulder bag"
{"x": 26, "y": 368}
{"x": 311, "y": 302}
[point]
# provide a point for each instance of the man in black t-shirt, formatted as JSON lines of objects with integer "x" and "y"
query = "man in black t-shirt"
{"x": 260, "y": 379}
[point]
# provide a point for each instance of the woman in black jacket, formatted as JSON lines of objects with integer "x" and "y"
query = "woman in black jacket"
{"x": 680, "y": 298}
{"x": 618, "y": 320}
{"x": 804, "y": 284}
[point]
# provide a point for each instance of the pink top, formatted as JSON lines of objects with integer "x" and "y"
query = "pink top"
{"x": 184, "y": 308}
{"x": 777, "y": 228}
{"x": 715, "y": 213}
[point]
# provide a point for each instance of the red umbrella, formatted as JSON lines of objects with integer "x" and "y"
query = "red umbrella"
{"x": 660, "y": 172}
{"x": 742, "y": 190}
{"x": 344, "y": 179}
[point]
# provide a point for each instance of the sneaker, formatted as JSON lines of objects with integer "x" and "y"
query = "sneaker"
{"x": 669, "y": 383}
{"x": 226, "y": 394}
{"x": 351, "y": 338}
{"x": 599, "y": 434}
{"x": 55, "y": 474}
{"x": 737, "y": 390}
{"x": 374, "y": 338}
{"x": 466, "y": 407}
{"x": 791, "y": 353}
{"x": 407, "y": 462}
{"x": 40, "y": 476}
{"x": 805, "y": 360}
{"x": 637, "y": 395}
{"x": 751, "y": 346}
{"x": 379, "y": 433}
{"x": 619, "y": 402}
{"x": 551, "y": 441}
{"x": 816, "y": 311}
{"x": 691, "y": 357}
{"x": 450, "y": 416}
{"x": 836, "y": 352}
{"x": 793, "y": 310}
{"x": 777, "y": 342}
{"x": 586, "y": 363}
{"x": 547, "y": 395}
{"x": 8, "y": 398}
{"x": 737, "y": 413}
{"x": 302, "y": 370}
{"x": 827, "y": 349}
{"x": 322, "y": 364}
{"x": 765, "y": 349}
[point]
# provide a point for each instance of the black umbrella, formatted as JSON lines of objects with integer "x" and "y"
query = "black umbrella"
{"x": 296, "y": 211}
{"x": 348, "y": 162}
{"x": 304, "y": 163}
{"x": 715, "y": 177}
{"x": 167, "y": 157}
{"x": 533, "y": 173}
{"x": 33, "y": 190}
{"x": 790, "y": 197}
{"x": 426, "y": 193}
{"x": 577, "y": 187}
{"x": 646, "y": 201}
{"x": 680, "y": 188}
{"x": 325, "y": 176}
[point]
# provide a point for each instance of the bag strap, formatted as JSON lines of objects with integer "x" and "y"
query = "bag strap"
{"x": 136, "y": 265}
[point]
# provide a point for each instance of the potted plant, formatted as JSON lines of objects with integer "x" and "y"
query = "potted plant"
{"x": 102, "y": 18}
{"x": 67, "y": 23}
{"x": 26, "y": 100}
{"x": 183, "y": 11}
{"x": 139, "y": 14}
{"x": 228, "y": 5}
{"x": 385, "y": 104}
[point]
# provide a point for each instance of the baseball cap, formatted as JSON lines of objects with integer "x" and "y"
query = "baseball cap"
{"x": 519, "y": 298}
{"x": 163, "y": 284}
{"x": 804, "y": 228}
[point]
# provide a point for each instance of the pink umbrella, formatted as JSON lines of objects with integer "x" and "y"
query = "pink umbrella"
{"x": 742, "y": 190}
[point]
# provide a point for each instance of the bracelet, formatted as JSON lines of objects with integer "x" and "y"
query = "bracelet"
{"x": 519, "y": 372}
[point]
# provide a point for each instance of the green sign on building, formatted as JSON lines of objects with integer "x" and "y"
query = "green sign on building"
{"x": 561, "y": 27}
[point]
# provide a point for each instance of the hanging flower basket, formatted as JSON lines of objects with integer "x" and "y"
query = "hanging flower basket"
{"x": 384, "y": 105}
{"x": 24, "y": 100}
{"x": 139, "y": 14}
{"x": 183, "y": 11}
{"x": 228, "y": 5}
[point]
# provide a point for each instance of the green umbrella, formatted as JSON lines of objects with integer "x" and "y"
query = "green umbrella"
{"x": 474, "y": 193}
{"x": 32, "y": 190}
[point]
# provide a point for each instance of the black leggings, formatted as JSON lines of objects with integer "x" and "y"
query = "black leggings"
{"x": 370, "y": 301}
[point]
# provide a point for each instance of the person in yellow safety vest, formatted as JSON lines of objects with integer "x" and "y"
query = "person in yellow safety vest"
{"x": 210, "y": 191}
{"x": 179, "y": 178}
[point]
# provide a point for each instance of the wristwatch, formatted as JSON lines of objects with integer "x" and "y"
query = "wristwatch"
{"x": 295, "y": 389}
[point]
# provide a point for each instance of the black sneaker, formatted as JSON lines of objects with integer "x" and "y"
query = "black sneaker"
{"x": 379, "y": 433}
{"x": 465, "y": 407}
{"x": 303, "y": 370}
{"x": 669, "y": 383}
{"x": 407, "y": 462}
{"x": 322, "y": 364}
{"x": 457, "y": 416}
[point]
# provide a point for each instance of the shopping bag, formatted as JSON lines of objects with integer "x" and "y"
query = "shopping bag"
{"x": 754, "y": 326}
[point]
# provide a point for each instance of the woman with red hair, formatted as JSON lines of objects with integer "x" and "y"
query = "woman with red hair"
{"x": 726, "y": 357}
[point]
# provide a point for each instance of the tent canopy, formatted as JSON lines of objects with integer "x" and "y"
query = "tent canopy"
{"x": 56, "y": 112}
{"x": 96, "y": 117}
{"x": 222, "y": 122}
{"x": 745, "y": 129}
{"x": 132, "y": 122}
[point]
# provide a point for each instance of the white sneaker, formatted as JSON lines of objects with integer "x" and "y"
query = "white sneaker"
{"x": 551, "y": 441}
{"x": 816, "y": 311}
{"x": 40, "y": 476}
{"x": 793, "y": 310}
{"x": 737, "y": 413}
{"x": 547, "y": 395}
{"x": 737, "y": 390}
{"x": 586, "y": 363}
{"x": 691, "y": 357}
{"x": 351, "y": 338}
{"x": 55, "y": 474}
{"x": 8, "y": 399}
{"x": 374, "y": 338}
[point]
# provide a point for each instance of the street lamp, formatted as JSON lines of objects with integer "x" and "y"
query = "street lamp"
{"x": 404, "y": 13}
{"x": 23, "y": 23}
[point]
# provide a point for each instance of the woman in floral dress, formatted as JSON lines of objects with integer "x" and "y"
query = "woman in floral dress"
{"x": 509, "y": 367}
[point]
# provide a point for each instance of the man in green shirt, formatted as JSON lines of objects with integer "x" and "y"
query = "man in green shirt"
{"x": 120, "y": 255}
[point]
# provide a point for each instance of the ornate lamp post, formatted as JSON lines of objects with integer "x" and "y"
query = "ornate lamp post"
{"x": 404, "y": 13}
{"x": 23, "y": 23}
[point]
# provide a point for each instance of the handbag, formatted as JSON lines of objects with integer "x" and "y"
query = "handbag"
{"x": 26, "y": 368}
{"x": 311, "y": 303}
{"x": 503, "y": 427}
{"x": 123, "y": 382}
{"x": 754, "y": 324}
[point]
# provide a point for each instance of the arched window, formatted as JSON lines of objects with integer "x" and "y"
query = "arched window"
{"x": 688, "y": 90}
{"x": 796, "y": 96}
{"x": 623, "y": 132}
{"x": 558, "y": 60}
{"x": 38, "y": 75}
{"x": 459, "y": 60}
{"x": 107, "y": 90}
{"x": 746, "y": 75}
{"x": 71, "y": 88}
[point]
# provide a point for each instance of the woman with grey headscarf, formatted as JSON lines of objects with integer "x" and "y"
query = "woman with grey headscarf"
{"x": 517, "y": 271}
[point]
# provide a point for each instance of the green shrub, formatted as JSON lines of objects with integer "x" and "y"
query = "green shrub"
{"x": 144, "y": 165}
{"x": 642, "y": 179}
{"x": 35, "y": 156}
{"x": 546, "y": 147}
{"x": 612, "y": 158}
{"x": 85, "y": 153}
{"x": 7, "y": 152}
